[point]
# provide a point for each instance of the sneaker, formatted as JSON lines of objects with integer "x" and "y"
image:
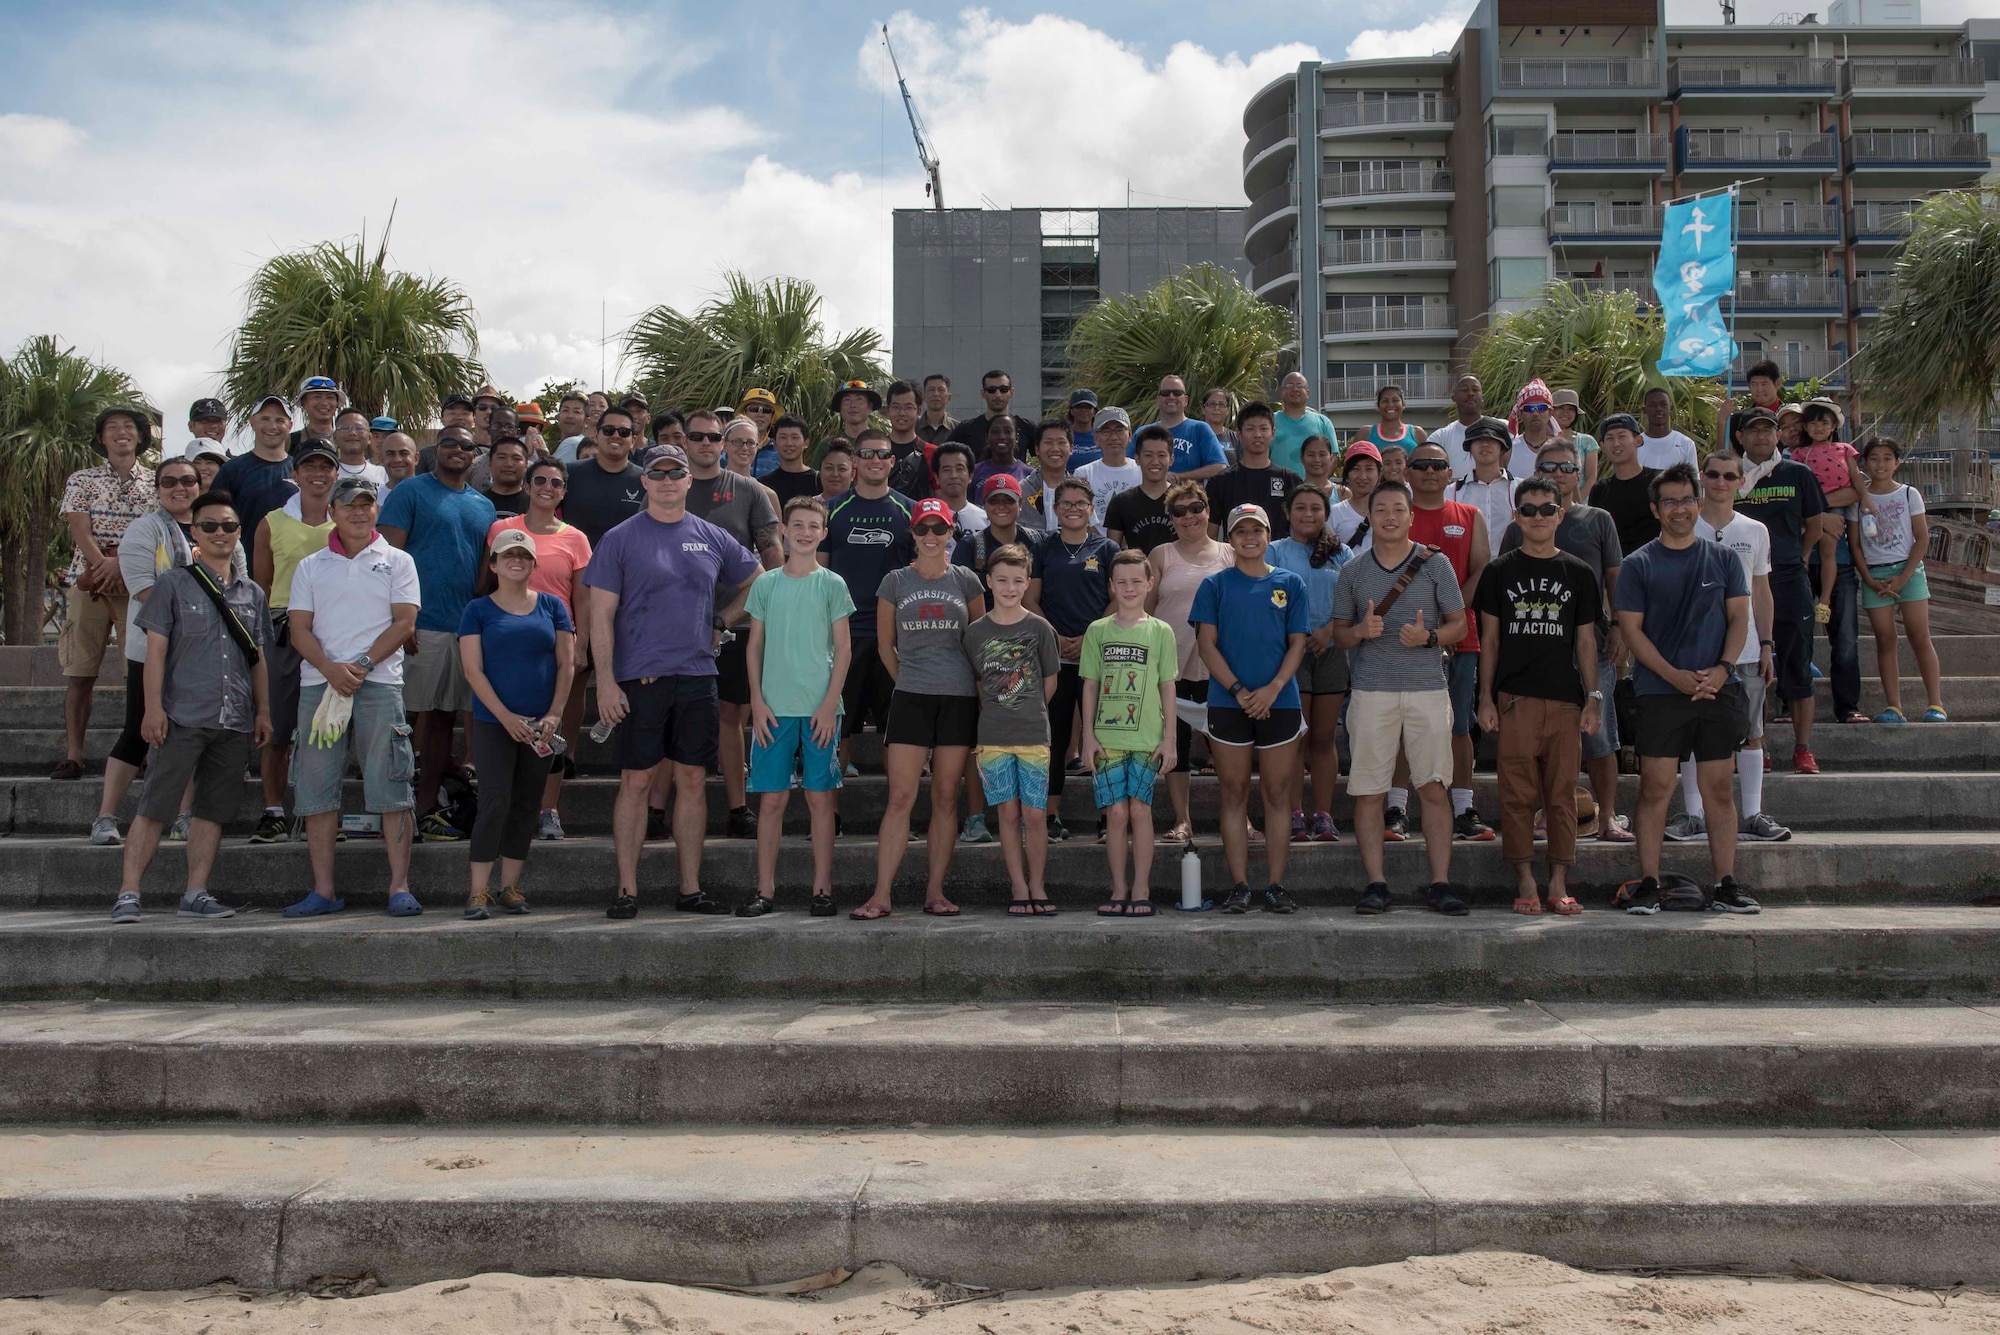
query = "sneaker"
{"x": 975, "y": 831}
{"x": 1320, "y": 828}
{"x": 1645, "y": 897}
{"x": 271, "y": 829}
{"x": 1057, "y": 831}
{"x": 1277, "y": 899}
{"x": 127, "y": 907}
{"x": 623, "y": 907}
{"x": 1803, "y": 762}
{"x": 656, "y": 825}
{"x": 1075, "y": 765}
{"x": 513, "y": 900}
{"x": 756, "y": 907}
{"x": 437, "y": 828}
{"x": 1395, "y": 825}
{"x": 1238, "y": 901}
{"x": 1300, "y": 831}
{"x": 1103, "y": 829}
{"x": 104, "y": 831}
{"x": 1374, "y": 899}
{"x": 551, "y": 824}
{"x": 1761, "y": 829}
{"x": 698, "y": 902}
{"x": 852, "y": 771}
{"x": 177, "y": 833}
{"x": 1684, "y": 828}
{"x": 1442, "y": 900}
{"x": 1729, "y": 898}
{"x": 478, "y": 906}
{"x": 742, "y": 824}
{"x": 201, "y": 904}
{"x": 1467, "y": 825}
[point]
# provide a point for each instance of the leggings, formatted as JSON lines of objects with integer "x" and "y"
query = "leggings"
{"x": 131, "y": 746}
{"x": 510, "y": 789}
{"x": 1062, "y": 714}
{"x": 1183, "y": 734}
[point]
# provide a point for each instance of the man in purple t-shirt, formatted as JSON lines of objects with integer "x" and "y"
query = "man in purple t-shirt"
{"x": 655, "y": 580}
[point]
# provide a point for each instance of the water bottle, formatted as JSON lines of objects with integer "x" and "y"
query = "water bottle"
{"x": 1190, "y": 881}
{"x": 1867, "y": 525}
{"x": 600, "y": 731}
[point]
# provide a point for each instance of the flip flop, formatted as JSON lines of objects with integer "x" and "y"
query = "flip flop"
{"x": 938, "y": 908}
{"x": 869, "y": 912}
{"x": 1021, "y": 908}
{"x": 1566, "y": 907}
{"x": 1529, "y": 906}
{"x": 1139, "y": 908}
{"x": 1043, "y": 909}
{"x": 1113, "y": 909}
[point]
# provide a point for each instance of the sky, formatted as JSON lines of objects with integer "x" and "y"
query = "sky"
{"x": 571, "y": 163}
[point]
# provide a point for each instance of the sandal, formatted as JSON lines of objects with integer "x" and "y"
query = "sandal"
{"x": 1139, "y": 908}
{"x": 69, "y": 769}
{"x": 941, "y": 908}
{"x": 869, "y": 912}
{"x": 1112, "y": 909}
{"x": 1614, "y": 833}
{"x": 1529, "y": 906}
{"x": 1566, "y": 907}
{"x": 1180, "y": 834}
{"x": 1854, "y": 716}
{"x": 1021, "y": 908}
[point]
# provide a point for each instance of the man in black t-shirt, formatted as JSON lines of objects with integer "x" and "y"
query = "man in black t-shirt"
{"x": 791, "y": 477}
{"x": 1538, "y": 608}
{"x": 1626, "y": 493}
{"x": 1255, "y": 480}
{"x": 1137, "y": 516}
{"x": 605, "y": 490}
{"x": 1786, "y": 499}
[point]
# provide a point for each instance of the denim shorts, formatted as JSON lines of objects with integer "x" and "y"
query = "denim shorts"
{"x": 793, "y": 752}
{"x": 1461, "y": 676}
{"x": 1604, "y": 742}
{"x": 379, "y": 737}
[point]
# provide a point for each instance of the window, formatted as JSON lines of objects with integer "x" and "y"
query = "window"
{"x": 1988, "y": 125}
{"x": 1517, "y": 205}
{"x": 1518, "y": 279}
{"x": 1988, "y": 56}
{"x": 1520, "y": 136}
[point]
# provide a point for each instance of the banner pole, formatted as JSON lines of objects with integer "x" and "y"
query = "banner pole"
{"x": 1735, "y": 207}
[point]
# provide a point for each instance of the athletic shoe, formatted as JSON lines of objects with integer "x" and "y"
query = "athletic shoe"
{"x": 1075, "y": 765}
{"x": 1685, "y": 828}
{"x": 852, "y": 771}
{"x": 742, "y": 824}
{"x": 104, "y": 831}
{"x": 437, "y": 828}
{"x": 1442, "y": 900}
{"x": 1803, "y": 762}
{"x": 623, "y": 907}
{"x": 513, "y": 900}
{"x": 1729, "y": 898}
{"x": 1374, "y": 899}
{"x": 1300, "y": 832}
{"x": 1395, "y": 825}
{"x": 127, "y": 907}
{"x": 1761, "y": 829}
{"x": 1238, "y": 901}
{"x": 1467, "y": 825}
{"x": 1277, "y": 899}
{"x": 201, "y": 904}
{"x": 1645, "y": 897}
{"x": 177, "y": 833}
{"x": 551, "y": 824}
{"x": 756, "y": 907}
{"x": 699, "y": 902}
{"x": 271, "y": 829}
{"x": 975, "y": 831}
{"x": 1058, "y": 831}
{"x": 1320, "y": 828}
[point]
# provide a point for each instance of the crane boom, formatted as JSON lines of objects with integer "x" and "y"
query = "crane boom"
{"x": 925, "y": 153}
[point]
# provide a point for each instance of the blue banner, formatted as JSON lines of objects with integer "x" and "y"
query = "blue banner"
{"x": 1697, "y": 269}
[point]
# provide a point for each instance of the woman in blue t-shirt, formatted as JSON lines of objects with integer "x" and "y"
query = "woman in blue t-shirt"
{"x": 1315, "y": 554}
{"x": 519, "y": 651}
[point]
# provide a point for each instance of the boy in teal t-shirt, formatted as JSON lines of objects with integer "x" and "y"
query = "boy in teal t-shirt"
{"x": 1128, "y": 671}
{"x": 797, "y": 656}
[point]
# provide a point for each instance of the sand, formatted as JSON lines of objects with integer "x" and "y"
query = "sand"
{"x": 1486, "y": 1292}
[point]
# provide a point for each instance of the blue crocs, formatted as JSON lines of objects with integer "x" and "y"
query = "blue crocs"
{"x": 1891, "y": 715}
{"x": 403, "y": 904}
{"x": 314, "y": 905}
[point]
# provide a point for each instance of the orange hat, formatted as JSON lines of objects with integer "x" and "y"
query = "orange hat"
{"x": 530, "y": 414}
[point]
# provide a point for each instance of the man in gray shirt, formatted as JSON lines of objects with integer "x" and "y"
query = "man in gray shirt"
{"x": 207, "y": 702}
{"x": 1396, "y": 642}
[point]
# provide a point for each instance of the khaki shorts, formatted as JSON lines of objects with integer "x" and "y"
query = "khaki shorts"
{"x": 87, "y": 630}
{"x": 1381, "y": 722}
{"x": 434, "y": 676}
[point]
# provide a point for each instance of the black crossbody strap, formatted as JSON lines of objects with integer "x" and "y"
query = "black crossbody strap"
{"x": 230, "y": 621}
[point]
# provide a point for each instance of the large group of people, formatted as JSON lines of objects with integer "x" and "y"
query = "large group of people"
{"x": 1008, "y": 603}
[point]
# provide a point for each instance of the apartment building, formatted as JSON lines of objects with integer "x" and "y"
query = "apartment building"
{"x": 1396, "y": 203}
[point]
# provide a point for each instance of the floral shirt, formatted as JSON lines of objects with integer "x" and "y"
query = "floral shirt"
{"x": 111, "y": 502}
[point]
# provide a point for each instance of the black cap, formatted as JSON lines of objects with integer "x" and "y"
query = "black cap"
{"x": 1488, "y": 428}
{"x": 1754, "y": 414}
{"x": 208, "y": 410}
{"x": 456, "y": 401}
{"x": 315, "y": 447}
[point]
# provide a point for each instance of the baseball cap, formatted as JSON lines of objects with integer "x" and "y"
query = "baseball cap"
{"x": 315, "y": 447}
{"x": 1486, "y": 428}
{"x": 1243, "y": 512}
{"x": 456, "y": 401}
{"x": 1751, "y": 415}
{"x": 385, "y": 424}
{"x": 1566, "y": 398}
{"x": 1616, "y": 422}
{"x": 1082, "y": 396}
{"x": 633, "y": 397}
{"x": 207, "y": 410}
{"x": 1795, "y": 409}
{"x": 1362, "y": 449}
{"x": 667, "y": 454}
{"x": 278, "y": 399}
{"x": 932, "y": 508}
{"x": 1106, "y": 416}
{"x": 513, "y": 539}
{"x": 353, "y": 488}
{"x": 763, "y": 396}
{"x": 319, "y": 384}
{"x": 1002, "y": 482}
{"x": 201, "y": 447}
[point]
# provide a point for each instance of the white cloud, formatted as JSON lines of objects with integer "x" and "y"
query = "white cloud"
{"x": 36, "y": 141}
{"x": 1432, "y": 35}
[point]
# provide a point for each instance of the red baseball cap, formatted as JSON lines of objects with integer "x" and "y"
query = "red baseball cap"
{"x": 1001, "y": 482}
{"x": 931, "y": 508}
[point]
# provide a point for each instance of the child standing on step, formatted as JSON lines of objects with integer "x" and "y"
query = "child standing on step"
{"x": 1129, "y": 669}
{"x": 1891, "y": 566}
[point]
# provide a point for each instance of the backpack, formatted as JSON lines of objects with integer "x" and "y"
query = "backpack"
{"x": 1678, "y": 894}
{"x": 459, "y": 801}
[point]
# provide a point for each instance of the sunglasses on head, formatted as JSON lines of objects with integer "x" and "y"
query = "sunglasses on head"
{"x": 665, "y": 474}
{"x": 1557, "y": 468}
{"x": 874, "y": 454}
{"x": 1191, "y": 508}
{"x": 1542, "y": 511}
{"x": 931, "y": 530}
{"x": 621, "y": 432}
{"x": 1429, "y": 465}
{"x": 212, "y": 525}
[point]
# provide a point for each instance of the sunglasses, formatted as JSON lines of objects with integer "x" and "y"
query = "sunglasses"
{"x": 553, "y": 483}
{"x": 1564, "y": 469}
{"x": 756, "y": 408}
{"x": 874, "y": 454}
{"x": 213, "y": 525}
{"x": 1191, "y": 508}
{"x": 665, "y": 474}
{"x": 1721, "y": 477}
{"x": 1171, "y": 394}
{"x": 1542, "y": 511}
{"x": 931, "y": 530}
{"x": 621, "y": 432}
{"x": 1535, "y": 408}
{"x": 1429, "y": 465}
{"x": 712, "y": 437}
{"x": 178, "y": 482}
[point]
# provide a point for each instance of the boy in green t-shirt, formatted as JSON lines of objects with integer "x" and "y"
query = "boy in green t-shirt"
{"x": 1128, "y": 672}
{"x": 798, "y": 631}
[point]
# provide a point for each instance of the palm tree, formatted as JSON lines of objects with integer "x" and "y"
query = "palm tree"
{"x": 395, "y": 342}
{"x": 1603, "y": 345}
{"x": 753, "y": 334}
{"x": 1199, "y": 323}
{"x": 1933, "y": 349}
{"x": 50, "y": 397}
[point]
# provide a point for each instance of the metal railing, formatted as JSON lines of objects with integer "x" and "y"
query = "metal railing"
{"x": 1789, "y": 291}
{"x": 1767, "y": 220}
{"x": 1273, "y": 132}
{"x": 1951, "y": 477}
{"x": 1620, "y": 220}
{"x": 1875, "y": 147}
{"x": 1616, "y": 147}
{"x": 1361, "y": 388}
{"x": 1390, "y": 250}
{"x": 1640, "y": 286}
{"x": 1797, "y": 365}
{"x": 1580, "y": 74}
{"x": 1880, "y": 219}
{"x": 1751, "y": 76}
{"x": 1730, "y": 147}
{"x": 1886, "y": 75}
{"x": 1271, "y": 269}
{"x": 1398, "y": 181}
{"x": 1389, "y": 111}
{"x": 1871, "y": 290}
{"x": 1275, "y": 200}
{"x": 1390, "y": 319}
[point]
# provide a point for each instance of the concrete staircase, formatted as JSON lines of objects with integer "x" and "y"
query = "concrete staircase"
{"x": 1013, "y": 1101}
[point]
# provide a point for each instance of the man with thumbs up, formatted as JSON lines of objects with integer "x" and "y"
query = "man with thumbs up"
{"x": 1397, "y": 610}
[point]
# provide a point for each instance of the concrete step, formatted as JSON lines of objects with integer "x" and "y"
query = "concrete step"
{"x": 1966, "y": 699}
{"x": 1930, "y": 747}
{"x": 1029, "y": 1064}
{"x": 1958, "y": 655}
{"x": 1786, "y": 953}
{"x": 1821, "y": 868}
{"x": 176, "y": 1209}
{"x": 1834, "y": 800}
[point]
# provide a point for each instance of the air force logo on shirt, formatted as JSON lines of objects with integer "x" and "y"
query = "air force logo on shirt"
{"x": 633, "y": 496}
{"x": 1279, "y": 598}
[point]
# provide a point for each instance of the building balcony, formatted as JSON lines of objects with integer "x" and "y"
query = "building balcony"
{"x": 1405, "y": 254}
{"x": 1403, "y": 115}
{"x": 1796, "y": 364}
{"x": 1269, "y": 136}
{"x": 1600, "y": 76}
{"x": 1916, "y": 154}
{"x": 1591, "y": 287}
{"x": 1270, "y": 209}
{"x": 1791, "y": 294}
{"x": 1419, "y": 391}
{"x": 1869, "y": 291}
{"x": 1774, "y": 224}
{"x": 1885, "y": 83}
{"x": 1877, "y": 223}
{"x": 1610, "y": 152}
{"x": 1270, "y": 277}
{"x": 1354, "y": 323}
{"x": 1767, "y": 153}
{"x": 1616, "y": 225}
{"x": 1714, "y": 82}
{"x": 1405, "y": 184}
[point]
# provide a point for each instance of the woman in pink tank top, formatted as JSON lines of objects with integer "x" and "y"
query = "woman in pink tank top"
{"x": 1179, "y": 567}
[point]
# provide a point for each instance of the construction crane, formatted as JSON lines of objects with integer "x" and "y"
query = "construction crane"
{"x": 925, "y": 153}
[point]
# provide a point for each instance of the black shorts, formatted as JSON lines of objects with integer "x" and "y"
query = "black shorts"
{"x": 214, "y": 758}
{"x": 732, "y": 670}
{"x": 669, "y": 718}
{"x": 1791, "y": 631}
{"x": 1232, "y": 727}
{"x": 1183, "y": 734}
{"x": 865, "y": 694}
{"x": 932, "y": 720}
{"x": 1675, "y": 726}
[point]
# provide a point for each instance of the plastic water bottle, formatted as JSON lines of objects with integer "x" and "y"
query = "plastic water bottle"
{"x": 600, "y": 731}
{"x": 1190, "y": 881}
{"x": 1867, "y": 525}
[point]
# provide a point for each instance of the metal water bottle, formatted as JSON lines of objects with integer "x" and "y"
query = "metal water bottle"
{"x": 1190, "y": 881}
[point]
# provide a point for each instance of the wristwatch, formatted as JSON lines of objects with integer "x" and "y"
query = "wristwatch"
{"x": 1597, "y": 696}
{"x": 1431, "y": 640}
{"x": 1768, "y": 644}
{"x": 364, "y": 662}
{"x": 1238, "y": 689}
{"x": 717, "y": 623}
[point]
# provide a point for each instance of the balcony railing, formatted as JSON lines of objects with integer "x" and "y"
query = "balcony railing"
{"x": 1400, "y": 181}
{"x": 1789, "y": 292}
{"x": 1752, "y": 76}
{"x": 1595, "y": 286}
{"x": 1390, "y": 250}
{"x": 1766, "y": 220}
{"x": 1270, "y": 270}
{"x": 1361, "y": 388}
{"x": 1636, "y": 221}
{"x": 1869, "y": 148}
{"x": 1864, "y": 76}
{"x": 1272, "y": 132}
{"x": 1579, "y": 74}
{"x": 1609, "y": 148}
{"x": 1392, "y": 111}
{"x": 1272, "y": 201}
{"x": 1796, "y": 364}
{"x": 1728, "y": 148}
{"x": 1390, "y": 319}
{"x": 1871, "y": 290}
{"x": 1883, "y": 220}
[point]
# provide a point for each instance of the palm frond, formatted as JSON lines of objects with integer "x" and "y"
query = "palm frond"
{"x": 1933, "y": 347}
{"x": 50, "y": 397}
{"x": 1199, "y": 323}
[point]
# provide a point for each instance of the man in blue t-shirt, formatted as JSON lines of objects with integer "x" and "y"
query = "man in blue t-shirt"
{"x": 441, "y": 522}
{"x": 261, "y": 480}
{"x": 867, "y": 530}
{"x": 1198, "y": 454}
{"x": 1683, "y": 608}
